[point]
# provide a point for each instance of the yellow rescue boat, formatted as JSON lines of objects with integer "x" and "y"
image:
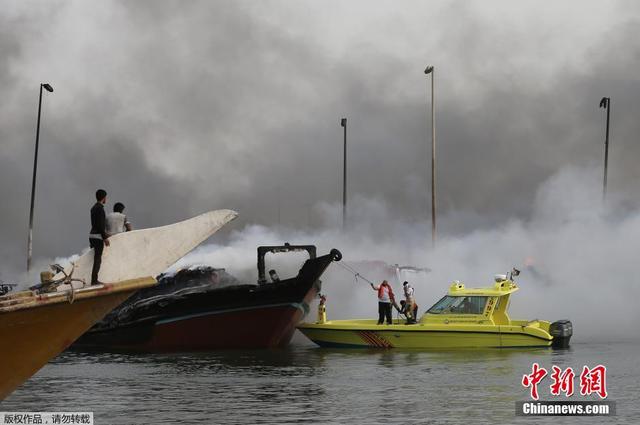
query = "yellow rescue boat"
{"x": 38, "y": 324}
{"x": 464, "y": 318}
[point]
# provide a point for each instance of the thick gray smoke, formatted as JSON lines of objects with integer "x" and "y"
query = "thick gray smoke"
{"x": 577, "y": 257}
{"x": 180, "y": 107}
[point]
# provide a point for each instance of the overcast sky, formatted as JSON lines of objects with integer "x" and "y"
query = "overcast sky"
{"x": 179, "y": 107}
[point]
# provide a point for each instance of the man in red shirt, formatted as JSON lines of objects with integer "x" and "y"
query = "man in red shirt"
{"x": 385, "y": 298}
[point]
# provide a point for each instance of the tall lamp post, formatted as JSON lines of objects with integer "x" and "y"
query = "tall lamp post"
{"x": 48, "y": 88}
{"x": 606, "y": 103}
{"x": 343, "y": 124}
{"x": 427, "y": 71}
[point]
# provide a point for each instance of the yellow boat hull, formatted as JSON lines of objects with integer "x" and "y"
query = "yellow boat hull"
{"x": 34, "y": 329}
{"x": 368, "y": 334}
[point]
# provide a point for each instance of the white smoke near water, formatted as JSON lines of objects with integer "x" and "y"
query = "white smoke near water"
{"x": 577, "y": 257}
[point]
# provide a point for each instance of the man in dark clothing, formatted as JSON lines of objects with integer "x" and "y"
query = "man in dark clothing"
{"x": 403, "y": 310}
{"x": 98, "y": 237}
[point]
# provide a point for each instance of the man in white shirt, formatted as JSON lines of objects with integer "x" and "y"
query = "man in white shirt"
{"x": 408, "y": 295}
{"x": 117, "y": 222}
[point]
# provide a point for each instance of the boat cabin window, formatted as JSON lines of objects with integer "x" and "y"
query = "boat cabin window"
{"x": 459, "y": 305}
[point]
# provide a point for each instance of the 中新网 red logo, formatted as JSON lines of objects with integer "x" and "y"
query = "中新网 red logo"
{"x": 592, "y": 381}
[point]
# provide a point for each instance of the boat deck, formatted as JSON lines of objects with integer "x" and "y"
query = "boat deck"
{"x": 28, "y": 299}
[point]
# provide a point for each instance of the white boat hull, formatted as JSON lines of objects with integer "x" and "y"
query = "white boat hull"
{"x": 126, "y": 258}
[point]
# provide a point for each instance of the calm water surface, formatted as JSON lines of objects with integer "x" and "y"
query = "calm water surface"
{"x": 309, "y": 384}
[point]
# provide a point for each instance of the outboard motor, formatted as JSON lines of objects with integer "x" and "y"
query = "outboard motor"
{"x": 561, "y": 332}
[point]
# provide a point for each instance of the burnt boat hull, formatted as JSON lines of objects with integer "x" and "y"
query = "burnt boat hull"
{"x": 255, "y": 327}
{"x": 244, "y": 316}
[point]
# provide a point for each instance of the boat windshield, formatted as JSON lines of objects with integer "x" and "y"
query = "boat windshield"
{"x": 459, "y": 305}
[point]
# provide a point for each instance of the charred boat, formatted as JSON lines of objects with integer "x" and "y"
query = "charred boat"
{"x": 205, "y": 308}
{"x": 5, "y": 288}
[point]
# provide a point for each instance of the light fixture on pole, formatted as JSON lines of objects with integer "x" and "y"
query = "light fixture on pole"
{"x": 48, "y": 88}
{"x": 427, "y": 71}
{"x": 606, "y": 103}
{"x": 343, "y": 124}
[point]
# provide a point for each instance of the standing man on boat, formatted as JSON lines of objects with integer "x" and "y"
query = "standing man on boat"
{"x": 385, "y": 298}
{"x": 410, "y": 300}
{"x": 117, "y": 222}
{"x": 98, "y": 237}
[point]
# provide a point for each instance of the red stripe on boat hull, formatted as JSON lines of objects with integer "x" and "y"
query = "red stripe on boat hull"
{"x": 374, "y": 340}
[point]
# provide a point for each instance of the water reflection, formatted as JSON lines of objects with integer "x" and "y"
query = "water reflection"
{"x": 310, "y": 384}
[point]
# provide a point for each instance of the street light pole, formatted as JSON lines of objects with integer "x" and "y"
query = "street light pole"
{"x": 48, "y": 88}
{"x": 431, "y": 70}
{"x": 606, "y": 103}
{"x": 343, "y": 124}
